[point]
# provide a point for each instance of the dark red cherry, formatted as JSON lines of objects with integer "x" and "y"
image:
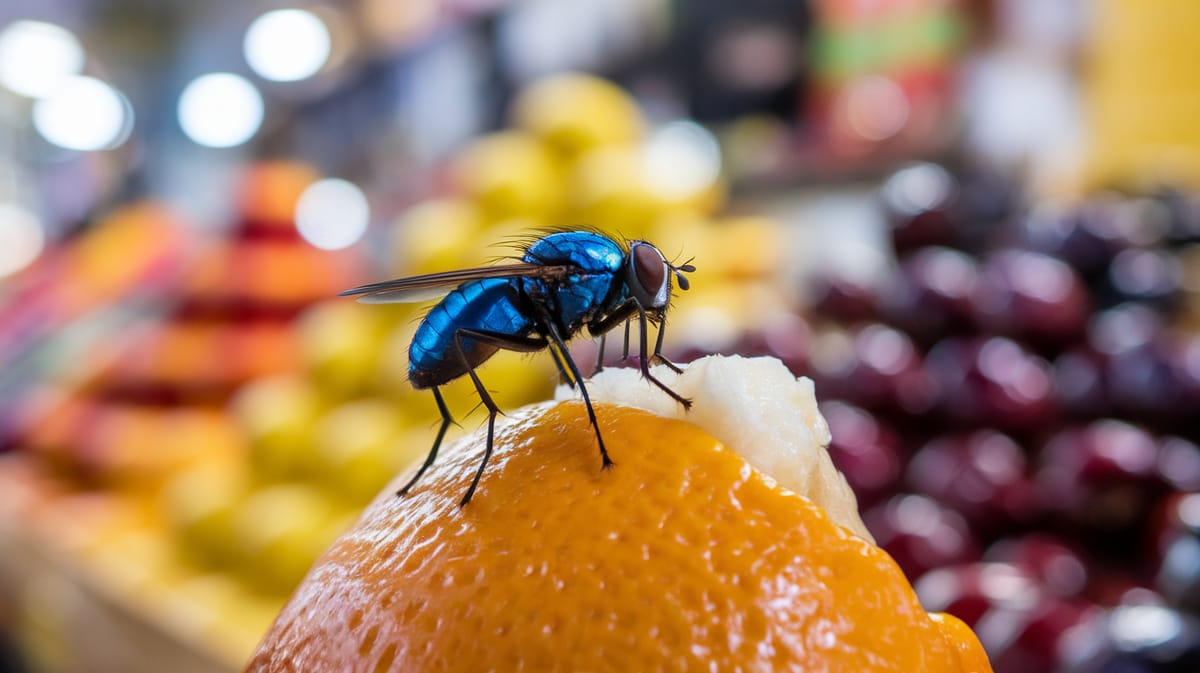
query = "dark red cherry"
{"x": 1058, "y": 566}
{"x": 1175, "y": 547}
{"x": 918, "y": 203}
{"x": 786, "y": 336}
{"x": 930, "y": 295}
{"x": 921, "y": 534}
{"x": 982, "y": 475}
{"x": 864, "y": 449}
{"x": 875, "y": 367}
{"x": 993, "y": 382}
{"x": 1079, "y": 383}
{"x": 1179, "y": 464}
{"x": 1030, "y": 296}
{"x": 842, "y": 296}
{"x": 1101, "y": 482}
{"x": 1021, "y": 625}
{"x": 1151, "y": 276}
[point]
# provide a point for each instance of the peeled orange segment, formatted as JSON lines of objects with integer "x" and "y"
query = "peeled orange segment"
{"x": 680, "y": 557}
{"x": 754, "y": 406}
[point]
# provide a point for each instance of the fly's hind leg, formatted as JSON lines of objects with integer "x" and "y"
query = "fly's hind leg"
{"x": 437, "y": 442}
{"x": 506, "y": 342}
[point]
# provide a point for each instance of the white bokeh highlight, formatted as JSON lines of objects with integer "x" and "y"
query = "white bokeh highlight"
{"x": 220, "y": 110}
{"x": 287, "y": 45}
{"x": 332, "y": 214}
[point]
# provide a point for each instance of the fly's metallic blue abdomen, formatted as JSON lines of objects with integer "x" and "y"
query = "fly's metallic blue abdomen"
{"x": 596, "y": 289}
{"x": 491, "y": 305}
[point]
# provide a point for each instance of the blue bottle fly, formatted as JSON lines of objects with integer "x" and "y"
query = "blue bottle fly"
{"x": 562, "y": 283}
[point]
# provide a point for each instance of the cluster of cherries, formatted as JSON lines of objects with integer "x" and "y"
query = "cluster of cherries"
{"x": 1018, "y": 411}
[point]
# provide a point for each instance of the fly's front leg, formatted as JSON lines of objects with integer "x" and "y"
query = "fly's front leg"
{"x": 644, "y": 361}
{"x": 658, "y": 344}
{"x": 625, "y": 312}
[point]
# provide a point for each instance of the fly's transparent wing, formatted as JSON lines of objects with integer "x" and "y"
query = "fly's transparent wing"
{"x": 434, "y": 285}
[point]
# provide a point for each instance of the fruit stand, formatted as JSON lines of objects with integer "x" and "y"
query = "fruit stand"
{"x": 1002, "y": 327}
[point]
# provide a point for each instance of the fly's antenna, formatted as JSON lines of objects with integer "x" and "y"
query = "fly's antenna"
{"x": 681, "y": 279}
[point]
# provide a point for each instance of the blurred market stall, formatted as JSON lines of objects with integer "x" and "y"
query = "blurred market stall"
{"x": 975, "y": 225}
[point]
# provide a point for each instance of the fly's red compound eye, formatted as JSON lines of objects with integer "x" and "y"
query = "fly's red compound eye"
{"x": 648, "y": 277}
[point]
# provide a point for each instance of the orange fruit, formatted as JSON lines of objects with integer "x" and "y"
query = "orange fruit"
{"x": 681, "y": 557}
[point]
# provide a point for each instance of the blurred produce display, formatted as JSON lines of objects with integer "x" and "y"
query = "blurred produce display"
{"x": 225, "y": 439}
{"x": 129, "y": 459}
{"x": 1016, "y": 412}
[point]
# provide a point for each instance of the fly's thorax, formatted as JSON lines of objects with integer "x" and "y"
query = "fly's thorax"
{"x": 590, "y": 251}
{"x": 576, "y": 301}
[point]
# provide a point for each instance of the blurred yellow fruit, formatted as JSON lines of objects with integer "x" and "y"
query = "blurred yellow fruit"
{"x": 87, "y": 523}
{"x": 199, "y": 504}
{"x": 141, "y": 566}
{"x": 393, "y": 360}
{"x": 280, "y": 530}
{"x": 609, "y": 190}
{"x": 340, "y": 342}
{"x": 358, "y": 449}
{"x": 279, "y": 414}
{"x": 751, "y": 247}
{"x": 230, "y": 618}
{"x": 683, "y": 235}
{"x": 435, "y": 236}
{"x": 575, "y": 113}
{"x": 511, "y": 174}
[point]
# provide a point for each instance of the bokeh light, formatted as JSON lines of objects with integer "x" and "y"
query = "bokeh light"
{"x": 21, "y": 238}
{"x": 332, "y": 214}
{"x": 220, "y": 110}
{"x": 682, "y": 158}
{"x": 875, "y": 108}
{"x": 287, "y": 45}
{"x": 37, "y": 57}
{"x": 918, "y": 187}
{"x": 84, "y": 114}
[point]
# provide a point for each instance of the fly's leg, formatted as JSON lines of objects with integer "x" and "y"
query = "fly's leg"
{"x": 437, "y": 442}
{"x": 625, "y": 346}
{"x": 644, "y": 361}
{"x": 658, "y": 344}
{"x": 486, "y": 398}
{"x": 507, "y": 342}
{"x": 600, "y": 356}
{"x": 624, "y": 312}
{"x": 563, "y": 375}
{"x": 557, "y": 341}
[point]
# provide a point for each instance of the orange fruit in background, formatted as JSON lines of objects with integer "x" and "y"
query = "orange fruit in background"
{"x": 682, "y": 557}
